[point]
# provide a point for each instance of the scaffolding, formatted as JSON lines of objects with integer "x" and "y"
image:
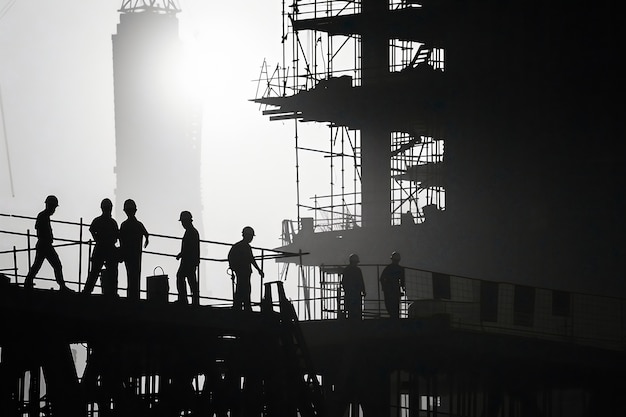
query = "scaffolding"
{"x": 316, "y": 58}
{"x": 155, "y": 6}
{"x": 323, "y": 63}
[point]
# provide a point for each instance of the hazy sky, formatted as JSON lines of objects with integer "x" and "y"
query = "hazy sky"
{"x": 56, "y": 76}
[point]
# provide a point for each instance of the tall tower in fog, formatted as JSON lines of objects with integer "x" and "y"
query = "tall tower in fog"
{"x": 157, "y": 119}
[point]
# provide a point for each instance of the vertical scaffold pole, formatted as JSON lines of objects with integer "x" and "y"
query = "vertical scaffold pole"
{"x": 262, "y": 259}
{"x": 28, "y": 245}
{"x": 297, "y": 175}
{"x": 15, "y": 264}
{"x": 80, "y": 253}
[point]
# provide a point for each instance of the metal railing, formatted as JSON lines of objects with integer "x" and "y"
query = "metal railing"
{"x": 465, "y": 303}
{"x": 483, "y": 306}
{"x": 15, "y": 262}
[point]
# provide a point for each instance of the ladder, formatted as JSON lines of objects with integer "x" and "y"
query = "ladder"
{"x": 298, "y": 381}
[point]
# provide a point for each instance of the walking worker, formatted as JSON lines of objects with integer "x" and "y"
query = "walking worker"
{"x": 353, "y": 288}
{"x": 132, "y": 232}
{"x": 189, "y": 257}
{"x": 44, "y": 249}
{"x": 393, "y": 285}
{"x": 241, "y": 260}
{"x": 105, "y": 233}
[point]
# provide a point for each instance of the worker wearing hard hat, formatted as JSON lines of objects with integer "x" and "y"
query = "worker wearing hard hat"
{"x": 240, "y": 261}
{"x": 392, "y": 282}
{"x": 105, "y": 233}
{"x": 132, "y": 233}
{"x": 44, "y": 249}
{"x": 189, "y": 257}
{"x": 353, "y": 288}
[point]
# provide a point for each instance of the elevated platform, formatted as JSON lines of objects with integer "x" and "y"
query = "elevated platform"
{"x": 149, "y": 358}
{"x": 165, "y": 358}
{"x": 76, "y": 318}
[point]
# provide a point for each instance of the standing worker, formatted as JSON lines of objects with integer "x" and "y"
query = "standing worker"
{"x": 189, "y": 257}
{"x": 393, "y": 285}
{"x": 353, "y": 288}
{"x": 132, "y": 231}
{"x": 241, "y": 260}
{"x": 44, "y": 249}
{"x": 105, "y": 233}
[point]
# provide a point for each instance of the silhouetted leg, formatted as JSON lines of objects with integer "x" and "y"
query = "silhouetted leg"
{"x": 237, "y": 296}
{"x": 392, "y": 304}
{"x": 97, "y": 263}
{"x": 55, "y": 262}
{"x": 109, "y": 283}
{"x": 181, "y": 284}
{"x": 193, "y": 286}
{"x": 133, "y": 275}
{"x": 34, "y": 269}
{"x": 243, "y": 292}
{"x": 354, "y": 308}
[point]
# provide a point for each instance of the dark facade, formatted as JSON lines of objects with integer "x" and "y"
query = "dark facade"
{"x": 526, "y": 106}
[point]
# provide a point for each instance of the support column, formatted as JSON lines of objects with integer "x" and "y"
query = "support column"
{"x": 375, "y": 178}
{"x": 375, "y": 139}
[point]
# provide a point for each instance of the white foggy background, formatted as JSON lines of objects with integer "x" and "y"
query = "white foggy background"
{"x": 56, "y": 76}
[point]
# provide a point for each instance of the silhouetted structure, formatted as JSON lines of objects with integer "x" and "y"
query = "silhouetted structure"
{"x": 475, "y": 116}
{"x": 189, "y": 257}
{"x": 353, "y": 288}
{"x": 44, "y": 250}
{"x": 393, "y": 282}
{"x": 152, "y": 359}
{"x": 158, "y": 116}
{"x": 132, "y": 233}
{"x": 105, "y": 233}
{"x": 467, "y": 348}
{"x": 523, "y": 95}
{"x": 240, "y": 261}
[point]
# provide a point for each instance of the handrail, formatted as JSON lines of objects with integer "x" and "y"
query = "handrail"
{"x": 212, "y": 242}
{"x": 265, "y": 253}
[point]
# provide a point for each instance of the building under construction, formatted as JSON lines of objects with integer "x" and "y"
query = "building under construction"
{"x": 479, "y": 139}
{"x": 491, "y": 123}
{"x": 158, "y": 119}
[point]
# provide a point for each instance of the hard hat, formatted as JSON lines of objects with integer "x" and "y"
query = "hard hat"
{"x": 106, "y": 204}
{"x": 395, "y": 256}
{"x": 185, "y": 215}
{"x": 247, "y": 231}
{"x": 52, "y": 200}
{"x": 130, "y": 205}
{"x": 354, "y": 258}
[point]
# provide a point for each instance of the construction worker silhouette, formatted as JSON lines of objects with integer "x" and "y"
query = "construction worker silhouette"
{"x": 105, "y": 233}
{"x": 392, "y": 283}
{"x": 132, "y": 232}
{"x": 44, "y": 249}
{"x": 241, "y": 260}
{"x": 353, "y": 288}
{"x": 189, "y": 257}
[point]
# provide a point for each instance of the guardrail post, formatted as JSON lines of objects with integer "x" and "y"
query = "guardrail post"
{"x": 15, "y": 263}
{"x": 28, "y": 245}
{"x": 378, "y": 291}
{"x": 80, "y": 253}
{"x": 262, "y": 259}
{"x": 300, "y": 281}
{"x": 199, "y": 286}
{"x": 88, "y": 261}
{"x": 339, "y": 312}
